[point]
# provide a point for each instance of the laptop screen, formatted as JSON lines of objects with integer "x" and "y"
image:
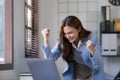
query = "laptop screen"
{"x": 43, "y": 69}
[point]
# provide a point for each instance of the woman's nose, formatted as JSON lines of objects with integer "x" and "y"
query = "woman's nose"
{"x": 67, "y": 36}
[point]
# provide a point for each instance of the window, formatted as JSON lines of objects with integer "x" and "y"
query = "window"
{"x": 6, "y": 36}
{"x": 31, "y": 29}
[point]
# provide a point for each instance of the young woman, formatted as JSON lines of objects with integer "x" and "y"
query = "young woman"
{"x": 79, "y": 48}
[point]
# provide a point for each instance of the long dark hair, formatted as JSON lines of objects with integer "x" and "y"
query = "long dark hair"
{"x": 67, "y": 48}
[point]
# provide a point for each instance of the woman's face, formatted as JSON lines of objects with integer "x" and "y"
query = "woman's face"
{"x": 71, "y": 33}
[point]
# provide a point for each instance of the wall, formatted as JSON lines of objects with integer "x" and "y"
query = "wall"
{"x": 19, "y": 54}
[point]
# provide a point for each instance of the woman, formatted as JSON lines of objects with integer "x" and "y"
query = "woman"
{"x": 79, "y": 48}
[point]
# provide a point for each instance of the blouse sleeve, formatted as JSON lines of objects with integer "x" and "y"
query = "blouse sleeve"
{"x": 53, "y": 53}
{"x": 96, "y": 59}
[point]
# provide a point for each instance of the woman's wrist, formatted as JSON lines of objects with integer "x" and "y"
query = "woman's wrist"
{"x": 45, "y": 42}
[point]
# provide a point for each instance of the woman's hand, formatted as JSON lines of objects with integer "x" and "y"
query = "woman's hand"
{"x": 45, "y": 33}
{"x": 90, "y": 47}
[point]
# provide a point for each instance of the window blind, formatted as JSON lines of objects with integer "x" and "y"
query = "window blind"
{"x": 31, "y": 29}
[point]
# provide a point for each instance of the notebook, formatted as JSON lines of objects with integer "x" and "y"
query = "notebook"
{"x": 43, "y": 69}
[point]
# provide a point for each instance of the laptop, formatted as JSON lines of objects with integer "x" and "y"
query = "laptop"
{"x": 43, "y": 69}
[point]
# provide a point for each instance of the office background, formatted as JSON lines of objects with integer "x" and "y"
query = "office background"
{"x": 48, "y": 17}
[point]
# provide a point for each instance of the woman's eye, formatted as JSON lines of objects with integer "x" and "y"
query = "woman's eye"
{"x": 70, "y": 32}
